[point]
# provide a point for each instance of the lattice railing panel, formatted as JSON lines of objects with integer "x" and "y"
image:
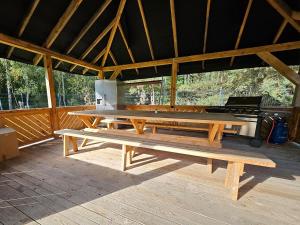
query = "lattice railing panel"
{"x": 31, "y": 125}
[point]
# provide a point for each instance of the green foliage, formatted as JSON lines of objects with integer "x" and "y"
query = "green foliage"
{"x": 28, "y": 87}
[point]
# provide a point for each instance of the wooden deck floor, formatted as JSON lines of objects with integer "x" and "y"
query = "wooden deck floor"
{"x": 42, "y": 187}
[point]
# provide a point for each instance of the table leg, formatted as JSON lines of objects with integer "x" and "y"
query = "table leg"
{"x": 220, "y": 132}
{"x": 213, "y": 132}
{"x": 88, "y": 124}
{"x": 138, "y": 125}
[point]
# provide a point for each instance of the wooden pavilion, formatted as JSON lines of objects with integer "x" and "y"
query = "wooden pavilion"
{"x": 136, "y": 39}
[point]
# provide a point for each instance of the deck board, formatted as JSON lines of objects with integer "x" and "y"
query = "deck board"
{"x": 160, "y": 188}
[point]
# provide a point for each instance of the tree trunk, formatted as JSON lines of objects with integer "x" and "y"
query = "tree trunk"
{"x": 8, "y": 85}
{"x": 27, "y": 100}
{"x": 63, "y": 89}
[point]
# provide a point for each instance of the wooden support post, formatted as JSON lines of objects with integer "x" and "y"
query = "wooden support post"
{"x": 125, "y": 149}
{"x": 66, "y": 145}
{"x": 296, "y": 99}
{"x": 173, "y": 84}
{"x": 51, "y": 93}
{"x": 210, "y": 165}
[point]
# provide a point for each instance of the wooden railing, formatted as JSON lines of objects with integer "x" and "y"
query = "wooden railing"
{"x": 33, "y": 125}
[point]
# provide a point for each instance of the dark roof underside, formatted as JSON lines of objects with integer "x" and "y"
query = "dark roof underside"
{"x": 224, "y": 23}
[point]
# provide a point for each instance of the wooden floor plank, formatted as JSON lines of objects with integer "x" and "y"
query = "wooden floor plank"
{"x": 159, "y": 188}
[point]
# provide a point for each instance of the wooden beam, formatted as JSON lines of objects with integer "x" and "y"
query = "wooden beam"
{"x": 296, "y": 15}
{"x": 7, "y": 40}
{"x": 50, "y": 86}
{"x": 127, "y": 46}
{"x": 284, "y": 10}
{"x": 238, "y": 40}
{"x": 280, "y": 30}
{"x": 24, "y": 23}
{"x": 86, "y": 28}
{"x": 114, "y": 75}
{"x": 63, "y": 20}
{"x": 280, "y": 66}
{"x": 113, "y": 31}
{"x": 208, "y": 56}
{"x": 296, "y": 100}
{"x": 95, "y": 60}
{"x": 206, "y": 29}
{"x": 114, "y": 59}
{"x": 146, "y": 31}
{"x": 173, "y": 18}
{"x": 95, "y": 42}
{"x": 173, "y": 84}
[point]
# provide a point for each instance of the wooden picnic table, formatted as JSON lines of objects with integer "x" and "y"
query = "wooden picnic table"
{"x": 215, "y": 121}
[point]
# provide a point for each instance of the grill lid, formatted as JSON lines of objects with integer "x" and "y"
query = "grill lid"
{"x": 243, "y": 102}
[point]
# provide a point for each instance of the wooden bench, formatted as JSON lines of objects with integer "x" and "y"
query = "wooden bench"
{"x": 111, "y": 124}
{"x": 236, "y": 159}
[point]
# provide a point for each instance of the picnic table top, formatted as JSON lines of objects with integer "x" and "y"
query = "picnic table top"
{"x": 193, "y": 117}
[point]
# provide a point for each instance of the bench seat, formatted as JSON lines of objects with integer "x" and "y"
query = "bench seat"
{"x": 236, "y": 159}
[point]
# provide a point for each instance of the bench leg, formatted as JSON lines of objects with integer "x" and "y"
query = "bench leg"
{"x": 234, "y": 189}
{"x": 154, "y": 130}
{"x": 131, "y": 154}
{"x": 210, "y": 165}
{"x": 66, "y": 145}
{"x": 242, "y": 170}
{"x": 125, "y": 150}
{"x": 74, "y": 143}
{"x": 228, "y": 177}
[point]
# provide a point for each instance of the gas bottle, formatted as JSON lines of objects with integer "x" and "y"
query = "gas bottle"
{"x": 280, "y": 132}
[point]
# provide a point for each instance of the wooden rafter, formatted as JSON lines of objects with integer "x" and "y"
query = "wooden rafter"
{"x": 280, "y": 66}
{"x": 284, "y": 10}
{"x": 114, "y": 60}
{"x": 174, "y": 29}
{"x": 208, "y": 56}
{"x": 238, "y": 40}
{"x": 296, "y": 15}
{"x": 127, "y": 46}
{"x": 206, "y": 28}
{"x": 113, "y": 31}
{"x": 115, "y": 75}
{"x": 24, "y": 23}
{"x": 95, "y": 42}
{"x": 27, "y": 46}
{"x": 95, "y": 60}
{"x": 64, "y": 19}
{"x": 86, "y": 28}
{"x": 280, "y": 30}
{"x": 146, "y": 30}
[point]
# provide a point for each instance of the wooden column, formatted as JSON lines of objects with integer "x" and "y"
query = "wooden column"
{"x": 51, "y": 92}
{"x": 296, "y": 101}
{"x": 173, "y": 84}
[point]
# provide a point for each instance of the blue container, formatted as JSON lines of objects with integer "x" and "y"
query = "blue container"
{"x": 280, "y": 132}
